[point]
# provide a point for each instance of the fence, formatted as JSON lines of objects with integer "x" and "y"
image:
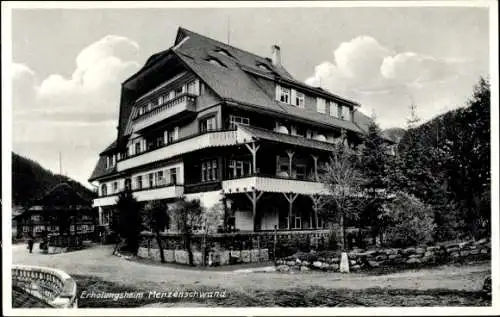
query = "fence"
{"x": 234, "y": 247}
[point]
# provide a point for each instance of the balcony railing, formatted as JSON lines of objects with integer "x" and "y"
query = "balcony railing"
{"x": 274, "y": 184}
{"x": 181, "y": 146}
{"x": 184, "y": 102}
{"x": 54, "y": 287}
{"x": 161, "y": 191}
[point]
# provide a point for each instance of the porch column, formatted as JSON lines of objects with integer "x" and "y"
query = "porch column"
{"x": 254, "y": 197}
{"x": 100, "y": 216}
{"x": 315, "y": 159}
{"x": 291, "y": 198}
{"x": 290, "y": 156}
{"x": 253, "y": 148}
{"x": 316, "y": 200}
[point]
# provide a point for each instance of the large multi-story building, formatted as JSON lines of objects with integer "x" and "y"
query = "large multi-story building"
{"x": 206, "y": 120}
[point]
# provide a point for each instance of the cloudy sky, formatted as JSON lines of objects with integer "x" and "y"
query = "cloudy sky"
{"x": 68, "y": 63}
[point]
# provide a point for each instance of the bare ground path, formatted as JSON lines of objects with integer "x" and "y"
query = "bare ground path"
{"x": 98, "y": 261}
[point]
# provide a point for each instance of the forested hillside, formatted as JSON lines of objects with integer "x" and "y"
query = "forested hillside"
{"x": 31, "y": 181}
{"x": 445, "y": 162}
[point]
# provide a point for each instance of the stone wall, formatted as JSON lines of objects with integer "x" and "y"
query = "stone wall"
{"x": 214, "y": 258}
{"x": 413, "y": 257}
{"x": 53, "y": 286}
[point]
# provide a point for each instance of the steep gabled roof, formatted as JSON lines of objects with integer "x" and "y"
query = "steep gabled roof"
{"x": 234, "y": 81}
{"x": 100, "y": 169}
{"x": 264, "y": 134}
{"x": 62, "y": 194}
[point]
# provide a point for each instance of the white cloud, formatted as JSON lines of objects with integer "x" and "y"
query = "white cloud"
{"x": 411, "y": 68}
{"x": 386, "y": 82}
{"x": 23, "y": 83}
{"x": 360, "y": 57}
{"x": 75, "y": 115}
{"x": 94, "y": 84}
{"x": 91, "y": 93}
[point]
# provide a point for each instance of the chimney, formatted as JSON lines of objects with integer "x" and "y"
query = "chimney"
{"x": 276, "y": 55}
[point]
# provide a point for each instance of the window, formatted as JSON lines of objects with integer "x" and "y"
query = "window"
{"x": 300, "y": 171}
{"x": 233, "y": 120}
{"x": 208, "y": 124}
{"x": 239, "y": 168}
{"x": 173, "y": 176}
{"x": 320, "y": 223}
{"x": 139, "y": 182}
{"x": 209, "y": 171}
{"x": 192, "y": 87}
{"x": 128, "y": 184}
{"x": 334, "y": 112}
{"x": 159, "y": 178}
{"x": 151, "y": 180}
{"x": 320, "y": 104}
{"x": 149, "y": 106}
{"x": 108, "y": 163}
{"x": 141, "y": 110}
{"x": 300, "y": 131}
{"x": 299, "y": 99}
{"x": 160, "y": 100}
{"x": 297, "y": 224}
{"x": 178, "y": 91}
{"x": 137, "y": 147}
{"x": 104, "y": 190}
{"x": 223, "y": 52}
{"x": 264, "y": 67}
{"x": 35, "y": 218}
{"x": 159, "y": 141}
{"x": 115, "y": 187}
{"x": 284, "y": 95}
{"x": 344, "y": 112}
{"x": 170, "y": 136}
{"x": 215, "y": 62}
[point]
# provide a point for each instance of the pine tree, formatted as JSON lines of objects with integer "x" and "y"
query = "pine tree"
{"x": 374, "y": 161}
{"x": 130, "y": 222}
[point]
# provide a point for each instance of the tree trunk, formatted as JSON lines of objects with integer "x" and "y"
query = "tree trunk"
{"x": 160, "y": 245}
{"x": 188, "y": 247}
{"x": 342, "y": 226}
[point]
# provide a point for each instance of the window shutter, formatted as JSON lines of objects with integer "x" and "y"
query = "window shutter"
{"x": 293, "y": 96}
{"x": 278, "y": 91}
{"x": 165, "y": 136}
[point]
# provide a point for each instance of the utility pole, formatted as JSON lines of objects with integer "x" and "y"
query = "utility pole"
{"x": 60, "y": 163}
{"x": 228, "y": 30}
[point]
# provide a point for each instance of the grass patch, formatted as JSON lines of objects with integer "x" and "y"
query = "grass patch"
{"x": 294, "y": 297}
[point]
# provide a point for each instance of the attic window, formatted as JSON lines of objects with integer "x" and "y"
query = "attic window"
{"x": 264, "y": 67}
{"x": 215, "y": 62}
{"x": 223, "y": 52}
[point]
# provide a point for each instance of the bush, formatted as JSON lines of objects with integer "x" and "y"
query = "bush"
{"x": 410, "y": 222}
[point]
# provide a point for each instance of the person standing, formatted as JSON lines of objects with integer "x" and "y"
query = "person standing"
{"x": 31, "y": 242}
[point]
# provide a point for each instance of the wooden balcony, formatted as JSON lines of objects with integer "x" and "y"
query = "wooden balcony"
{"x": 185, "y": 103}
{"x": 153, "y": 193}
{"x": 193, "y": 143}
{"x": 273, "y": 184}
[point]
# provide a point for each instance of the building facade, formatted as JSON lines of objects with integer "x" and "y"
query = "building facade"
{"x": 60, "y": 211}
{"x": 210, "y": 121}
